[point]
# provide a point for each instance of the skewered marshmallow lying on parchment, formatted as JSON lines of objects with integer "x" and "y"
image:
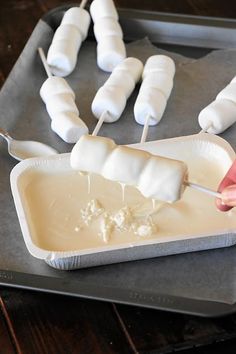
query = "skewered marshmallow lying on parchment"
{"x": 155, "y": 89}
{"x": 112, "y": 96}
{"x": 63, "y": 51}
{"x": 108, "y": 33}
{"x": 60, "y": 104}
{"x": 221, "y": 113}
{"x": 154, "y": 176}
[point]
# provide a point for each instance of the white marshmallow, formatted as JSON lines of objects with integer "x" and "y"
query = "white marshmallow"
{"x": 62, "y": 55}
{"x": 69, "y": 126}
{"x": 110, "y": 52}
{"x": 78, "y": 17}
{"x": 123, "y": 80}
{"x": 109, "y": 26}
{"x": 103, "y": 8}
{"x": 66, "y": 43}
{"x": 159, "y": 63}
{"x": 55, "y": 86}
{"x": 150, "y": 102}
{"x": 90, "y": 153}
{"x": 228, "y": 93}
{"x": 156, "y": 177}
{"x": 159, "y": 80}
{"x": 59, "y": 103}
{"x": 133, "y": 66}
{"x": 111, "y": 99}
{"x": 217, "y": 116}
{"x": 132, "y": 162}
{"x": 162, "y": 179}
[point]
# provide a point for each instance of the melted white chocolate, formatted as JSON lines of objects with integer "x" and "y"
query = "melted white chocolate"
{"x": 53, "y": 203}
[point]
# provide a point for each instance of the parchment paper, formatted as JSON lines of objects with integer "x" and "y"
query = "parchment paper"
{"x": 209, "y": 275}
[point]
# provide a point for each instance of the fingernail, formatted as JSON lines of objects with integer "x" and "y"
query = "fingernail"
{"x": 229, "y": 195}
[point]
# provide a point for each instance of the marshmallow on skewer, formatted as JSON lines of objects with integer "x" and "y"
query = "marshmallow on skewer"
{"x": 108, "y": 33}
{"x": 155, "y": 89}
{"x": 63, "y": 51}
{"x": 221, "y": 113}
{"x": 112, "y": 96}
{"x": 155, "y": 177}
{"x": 60, "y": 104}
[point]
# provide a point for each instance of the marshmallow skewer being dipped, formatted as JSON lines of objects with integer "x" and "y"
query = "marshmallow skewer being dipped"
{"x": 67, "y": 40}
{"x": 108, "y": 33}
{"x": 221, "y": 113}
{"x": 110, "y": 100}
{"x": 155, "y": 90}
{"x": 60, "y": 104}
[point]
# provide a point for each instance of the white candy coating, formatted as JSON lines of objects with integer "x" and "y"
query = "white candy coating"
{"x": 107, "y": 25}
{"x": 103, "y": 8}
{"x": 112, "y": 96}
{"x": 110, "y": 52}
{"x": 155, "y": 177}
{"x": 217, "y": 116}
{"x": 66, "y": 43}
{"x": 60, "y": 104}
{"x": 155, "y": 89}
{"x": 69, "y": 126}
{"x": 159, "y": 63}
{"x": 150, "y": 102}
{"x": 108, "y": 33}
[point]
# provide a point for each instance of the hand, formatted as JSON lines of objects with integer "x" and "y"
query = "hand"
{"x": 227, "y": 188}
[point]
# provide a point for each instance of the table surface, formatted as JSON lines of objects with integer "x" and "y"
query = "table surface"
{"x": 32, "y": 322}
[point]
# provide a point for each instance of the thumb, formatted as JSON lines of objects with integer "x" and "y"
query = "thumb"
{"x": 229, "y": 195}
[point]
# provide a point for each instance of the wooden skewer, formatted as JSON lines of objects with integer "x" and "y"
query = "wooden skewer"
{"x": 100, "y": 122}
{"x": 44, "y": 61}
{"x": 83, "y": 4}
{"x": 205, "y": 130}
{"x": 145, "y": 129}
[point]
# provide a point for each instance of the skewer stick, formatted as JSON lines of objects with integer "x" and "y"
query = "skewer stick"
{"x": 99, "y": 123}
{"x": 203, "y": 189}
{"x": 205, "y": 130}
{"x": 83, "y": 4}
{"x": 145, "y": 129}
{"x": 44, "y": 61}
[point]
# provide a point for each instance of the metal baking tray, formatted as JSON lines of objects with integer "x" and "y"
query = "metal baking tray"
{"x": 201, "y": 283}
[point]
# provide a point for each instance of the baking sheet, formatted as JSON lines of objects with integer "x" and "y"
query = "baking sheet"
{"x": 206, "y": 276}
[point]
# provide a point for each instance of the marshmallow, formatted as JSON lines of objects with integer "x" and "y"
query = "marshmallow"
{"x": 110, "y": 52}
{"x": 108, "y": 33}
{"x": 109, "y": 99}
{"x": 150, "y": 102}
{"x": 228, "y": 93}
{"x": 62, "y": 55}
{"x": 133, "y": 66}
{"x": 159, "y": 80}
{"x": 155, "y": 89}
{"x": 156, "y": 177}
{"x": 103, "y": 8}
{"x": 79, "y": 18}
{"x": 66, "y": 43}
{"x": 60, "y": 104}
{"x": 107, "y": 25}
{"x": 159, "y": 63}
{"x": 83, "y": 156}
{"x": 112, "y": 96}
{"x": 69, "y": 126}
{"x": 217, "y": 116}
